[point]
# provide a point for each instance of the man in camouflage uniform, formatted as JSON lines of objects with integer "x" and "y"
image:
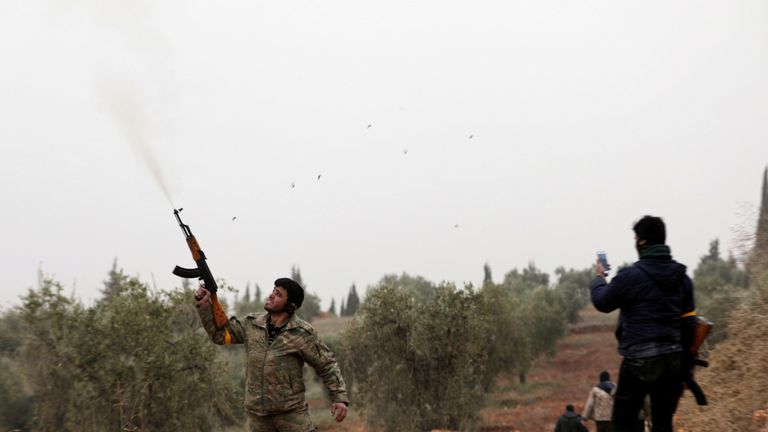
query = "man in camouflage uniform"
{"x": 277, "y": 344}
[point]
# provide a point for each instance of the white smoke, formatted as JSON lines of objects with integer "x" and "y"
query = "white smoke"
{"x": 129, "y": 52}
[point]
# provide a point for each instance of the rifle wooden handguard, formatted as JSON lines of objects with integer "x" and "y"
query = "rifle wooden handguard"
{"x": 219, "y": 316}
{"x": 702, "y": 330}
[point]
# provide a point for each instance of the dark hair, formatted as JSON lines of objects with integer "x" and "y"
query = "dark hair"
{"x": 294, "y": 290}
{"x": 651, "y": 229}
{"x": 605, "y": 376}
{"x": 569, "y": 408}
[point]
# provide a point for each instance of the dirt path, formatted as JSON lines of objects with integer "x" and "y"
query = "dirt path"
{"x": 552, "y": 383}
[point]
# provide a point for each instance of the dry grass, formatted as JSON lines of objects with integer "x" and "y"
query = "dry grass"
{"x": 736, "y": 381}
{"x": 331, "y": 325}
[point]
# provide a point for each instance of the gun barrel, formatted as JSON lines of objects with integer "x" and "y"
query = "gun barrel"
{"x": 184, "y": 227}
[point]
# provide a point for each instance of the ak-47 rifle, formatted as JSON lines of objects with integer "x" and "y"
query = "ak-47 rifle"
{"x": 201, "y": 272}
{"x": 700, "y": 332}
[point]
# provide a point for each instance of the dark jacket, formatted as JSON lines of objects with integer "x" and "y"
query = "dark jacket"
{"x": 652, "y": 294}
{"x": 570, "y": 422}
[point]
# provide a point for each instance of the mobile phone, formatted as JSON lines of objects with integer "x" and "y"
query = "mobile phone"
{"x": 603, "y": 258}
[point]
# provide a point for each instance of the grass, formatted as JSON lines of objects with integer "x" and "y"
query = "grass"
{"x": 511, "y": 395}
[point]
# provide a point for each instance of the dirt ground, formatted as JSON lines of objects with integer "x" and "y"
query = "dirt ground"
{"x": 588, "y": 348}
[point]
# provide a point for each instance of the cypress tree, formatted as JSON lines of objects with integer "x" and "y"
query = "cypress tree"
{"x": 296, "y": 275}
{"x": 487, "y": 278}
{"x": 353, "y": 301}
{"x": 247, "y": 295}
{"x": 761, "y": 236}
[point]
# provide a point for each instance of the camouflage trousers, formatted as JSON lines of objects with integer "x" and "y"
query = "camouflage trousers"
{"x": 297, "y": 420}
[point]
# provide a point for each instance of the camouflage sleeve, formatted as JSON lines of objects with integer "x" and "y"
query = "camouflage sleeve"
{"x": 232, "y": 333}
{"x": 317, "y": 354}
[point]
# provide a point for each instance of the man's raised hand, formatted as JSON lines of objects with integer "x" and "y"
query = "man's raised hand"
{"x": 202, "y": 296}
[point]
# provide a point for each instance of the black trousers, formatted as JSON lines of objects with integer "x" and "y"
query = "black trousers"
{"x": 604, "y": 426}
{"x": 658, "y": 377}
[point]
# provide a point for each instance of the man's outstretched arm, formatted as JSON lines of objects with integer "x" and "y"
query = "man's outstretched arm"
{"x": 319, "y": 356}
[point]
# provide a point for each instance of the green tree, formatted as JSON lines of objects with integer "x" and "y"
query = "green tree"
{"x": 720, "y": 285}
{"x": 415, "y": 364}
{"x": 421, "y": 289}
{"x": 310, "y": 309}
{"x": 133, "y": 361}
{"x": 296, "y": 275}
{"x": 114, "y": 282}
{"x": 757, "y": 262}
{"x": 15, "y": 399}
{"x": 573, "y": 286}
{"x": 530, "y": 317}
{"x": 508, "y": 347}
{"x": 487, "y": 277}
{"x": 761, "y": 233}
{"x": 247, "y": 304}
{"x": 332, "y": 308}
{"x": 353, "y": 302}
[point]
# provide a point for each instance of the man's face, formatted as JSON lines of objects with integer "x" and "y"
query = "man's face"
{"x": 277, "y": 300}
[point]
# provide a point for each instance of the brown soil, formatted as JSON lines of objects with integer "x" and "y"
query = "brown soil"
{"x": 552, "y": 383}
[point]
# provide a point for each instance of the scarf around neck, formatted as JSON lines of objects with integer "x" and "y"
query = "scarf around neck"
{"x": 659, "y": 251}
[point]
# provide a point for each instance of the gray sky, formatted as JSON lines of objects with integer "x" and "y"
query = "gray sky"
{"x": 584, "y": 115}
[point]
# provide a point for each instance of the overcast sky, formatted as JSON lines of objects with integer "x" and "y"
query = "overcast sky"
{"x": 500, "y": 131}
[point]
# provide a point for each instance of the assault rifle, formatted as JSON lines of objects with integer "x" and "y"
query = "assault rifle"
{"x": 700, "y": 332}
{"x": 202, "y": 272}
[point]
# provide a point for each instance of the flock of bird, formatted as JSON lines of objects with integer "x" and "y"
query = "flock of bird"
{"x": 405, "y": 152}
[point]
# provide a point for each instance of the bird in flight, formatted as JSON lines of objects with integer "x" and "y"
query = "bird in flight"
{"x": 470, "y": 137}
{"x": 233, "y": 219}
{"x": 293, "y": 185}
{"x": 405, "y": 151}
{"x": 369, "y": 126}
{"x": 318, "y": 176}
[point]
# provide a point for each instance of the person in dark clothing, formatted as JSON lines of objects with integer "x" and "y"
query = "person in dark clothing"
{"x": 655, "y": 297}
{"x": 570, "y": 421}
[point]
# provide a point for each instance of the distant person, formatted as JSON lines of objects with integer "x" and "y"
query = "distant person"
{"x": 656, "y": 300}
{"x": 277, "y": 344}
{"x": 570, "y": 421}
{"x": 599, "y": 405}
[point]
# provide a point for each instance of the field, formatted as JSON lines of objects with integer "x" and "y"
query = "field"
{"x": 567, "y": 377}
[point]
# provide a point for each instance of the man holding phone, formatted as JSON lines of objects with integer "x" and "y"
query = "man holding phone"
{"x": 655, "y": 297}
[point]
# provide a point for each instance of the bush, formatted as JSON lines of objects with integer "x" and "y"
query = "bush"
{"x": 136, "y": 360}
{"x": 415, "y": 365}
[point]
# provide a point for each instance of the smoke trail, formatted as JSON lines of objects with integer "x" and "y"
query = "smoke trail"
{"x": 123, "y": 103}
{"x": 130, "y": 53}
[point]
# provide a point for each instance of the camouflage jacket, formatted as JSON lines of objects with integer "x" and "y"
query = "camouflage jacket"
{"x": 273, "y": 378}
